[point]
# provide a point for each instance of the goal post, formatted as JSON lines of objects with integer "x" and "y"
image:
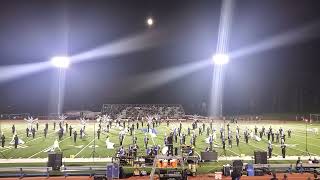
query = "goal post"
{"x": 314, "y": 118}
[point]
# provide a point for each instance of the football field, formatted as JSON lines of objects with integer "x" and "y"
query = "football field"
{"x": 37, "y": 147}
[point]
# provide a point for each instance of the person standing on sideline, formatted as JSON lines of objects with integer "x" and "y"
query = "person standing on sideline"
{"x": 67, "y": 127}
{"x": 3, "y": 140}
{"x": 70, "y": 130}
{"x": 45, "y": 132}
{"x": 75, "y": 136}
{"x": 98, "y": 133}
{"x": 27, "y": 131}
{"x": 146, "y": 140}
{"x": 13, "y": 129}
{"x": 283, "y": 150}
{"x": 270, "y": 149}
{"x": 33, "y": 131}
{"x": 16, "y": 141}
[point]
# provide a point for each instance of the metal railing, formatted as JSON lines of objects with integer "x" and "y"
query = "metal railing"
{"x": 24, "y": 171}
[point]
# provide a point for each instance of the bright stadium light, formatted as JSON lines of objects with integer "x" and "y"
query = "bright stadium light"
{"x": 60, "y": 62}
{"x": 149, "y": 21}
{"x": 220, "y": 59}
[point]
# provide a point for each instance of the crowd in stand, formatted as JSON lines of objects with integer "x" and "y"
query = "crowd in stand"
{"x": 138, "y": 110}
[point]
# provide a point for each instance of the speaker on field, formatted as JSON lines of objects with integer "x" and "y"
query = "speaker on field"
{"x": 209, "y": 156}
{"x": 260, "y": 157}
{"x": 54, "y": 160}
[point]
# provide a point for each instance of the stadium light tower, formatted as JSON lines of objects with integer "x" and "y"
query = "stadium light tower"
{"x": 150, "y": 21}
{"x": 220, "y": 59}
{"x": 62, "y": 63}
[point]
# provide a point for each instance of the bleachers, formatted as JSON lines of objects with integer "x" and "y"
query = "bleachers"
{"x": 19, "y": 116}
{"x": 142, "y": 110}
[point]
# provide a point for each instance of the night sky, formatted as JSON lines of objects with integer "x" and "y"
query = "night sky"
{"x": 282, "y": 79}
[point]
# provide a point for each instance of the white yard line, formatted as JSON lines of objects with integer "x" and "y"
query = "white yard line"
{"x": 303, "y": 142}
{"x": 310, "y": 135}
{"x": 260, "y": 148}
{"x": 233, "y": 152}
{"x": 46, "y": 148}
{"x": 11, "y": 147}
{"x": 303, "y": 151}
{"x": 38, "y": 138}
{"x": 7, "y": 148}
{"x": 300, "y": 149}
{"x": 7, "y": 128}
{"x": 84, "y": 147}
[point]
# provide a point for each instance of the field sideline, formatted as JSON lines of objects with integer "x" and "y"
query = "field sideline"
{"x": 34, "y": 148}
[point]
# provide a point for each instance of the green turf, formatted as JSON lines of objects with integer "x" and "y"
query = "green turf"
{"x": 34, "y": 147}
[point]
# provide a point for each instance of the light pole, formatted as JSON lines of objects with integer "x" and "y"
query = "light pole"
{"x": 62, "y": 63}
{"x": 306, "y": 136}
{"x": 220, "y": 60}
{"x": 94, "y": 142}
{"x": 306, "y": 120}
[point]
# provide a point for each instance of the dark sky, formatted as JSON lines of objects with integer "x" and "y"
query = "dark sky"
{"x": 283, "y": 79}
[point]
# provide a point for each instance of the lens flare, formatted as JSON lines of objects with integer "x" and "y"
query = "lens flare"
{"x": 149, "y": 21}
{"x": 61, "y": 62}
{"x": 220, "y": 59}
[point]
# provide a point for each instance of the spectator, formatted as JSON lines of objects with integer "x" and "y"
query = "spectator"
{"x": 274, "y": 176}
{"x": 138, "y": 110}
{"x": 289, "y": 170}
{"x": 285, "y": 177}
{"x": 299, "y": 167}
{"x": 315, "y": 161}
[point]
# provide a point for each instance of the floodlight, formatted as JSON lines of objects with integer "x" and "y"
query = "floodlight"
{"x": 220, "y": 59}
{"x": 150, "y": 21}
{"x": 60, "y": 62}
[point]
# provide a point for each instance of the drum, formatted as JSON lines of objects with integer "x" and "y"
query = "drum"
{"x": 165, "y": 164}
{"x": 174, "y": 163}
